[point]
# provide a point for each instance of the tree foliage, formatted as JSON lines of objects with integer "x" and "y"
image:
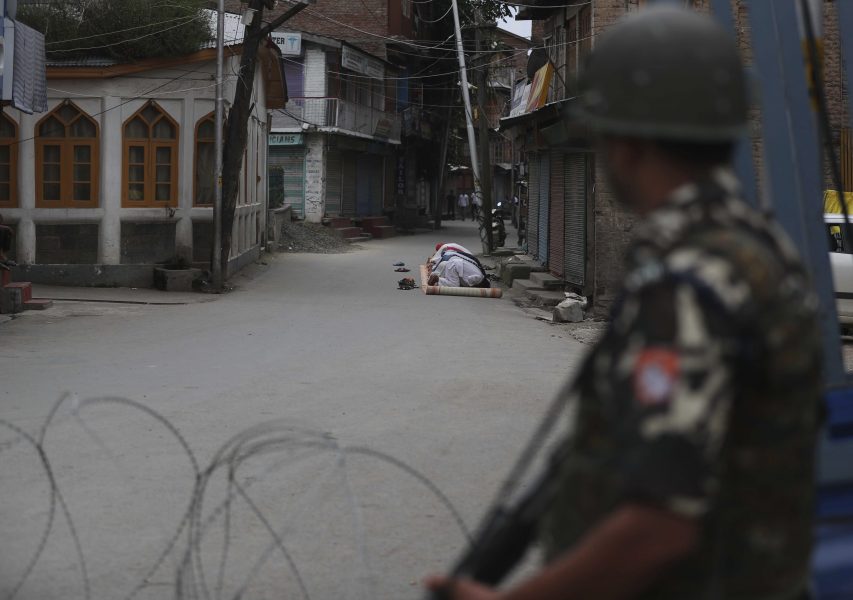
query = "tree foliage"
{"x": 490, "y": 10}
{"x": 125, "y": 30}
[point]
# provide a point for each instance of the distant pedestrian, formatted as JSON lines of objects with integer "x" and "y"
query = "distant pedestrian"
{"x": 514, "y": 207}
{"x": 476, "y": 206}
{"x": 450, "y": 201}
{"x": 463, "y": 204}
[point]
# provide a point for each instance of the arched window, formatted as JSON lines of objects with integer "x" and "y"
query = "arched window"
{"x": 67, "y": 153}
{"x": 8, "y": 162}
{"x": 205, "y": 161}
{"x": 150, "y": 158}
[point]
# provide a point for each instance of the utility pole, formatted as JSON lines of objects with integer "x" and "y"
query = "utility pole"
{"x": 485, "y": 159}
{"x": 236, "y": 126}
{"x": 466, "y": 98}
{"x": 442, "y": 162}
{"x": 216, "y": 266}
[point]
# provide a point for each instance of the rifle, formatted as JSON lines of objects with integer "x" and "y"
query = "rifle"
{"x": 508, "y": 530}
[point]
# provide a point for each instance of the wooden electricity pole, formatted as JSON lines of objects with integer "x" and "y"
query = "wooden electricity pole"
{"x": 236, "y": 125}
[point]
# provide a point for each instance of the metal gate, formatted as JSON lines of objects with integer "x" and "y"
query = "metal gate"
{"x": 368, "y": 195}
{"x": 544, "y": 202}
{"x": 291, "y": 164}
{"x": 575, "y": 196}
{"x": 333, "y": 183}
{"x": 556, "y": 230}
{"x": 533, "y": 205}
{"x": 348, "y": 178}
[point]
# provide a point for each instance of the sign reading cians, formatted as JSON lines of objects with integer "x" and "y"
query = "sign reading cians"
{"x": 285, "y": 139}
{"x": 361, "y": 63}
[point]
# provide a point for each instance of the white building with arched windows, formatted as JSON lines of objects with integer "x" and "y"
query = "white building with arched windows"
{"x": 118, "y": 175}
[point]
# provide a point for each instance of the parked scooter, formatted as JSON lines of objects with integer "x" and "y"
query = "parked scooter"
{"x": 498, "y": 227}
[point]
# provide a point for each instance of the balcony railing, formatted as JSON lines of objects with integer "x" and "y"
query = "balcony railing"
{"x": 340, "y": 114}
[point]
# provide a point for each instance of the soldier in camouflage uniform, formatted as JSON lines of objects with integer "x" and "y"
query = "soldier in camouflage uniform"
{"x": 690, "y": 473}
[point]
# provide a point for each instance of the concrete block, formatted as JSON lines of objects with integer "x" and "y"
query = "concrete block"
{"x": 340, "y": 222}
{"x": 524, "y": 285}
{"x": 175, "y": 280}
{"x": 383, "y": 231}
{"x": 547, "y": 281}
{"x": 38, "y": 304}
{"x": 11, "y": 300}
{"x": 364, "y": 237}
{"x": 511, "y": 271}
{"x": 347, "y": 232}
{"x": 26, "y": 289}
{"x": 545, "y": 298}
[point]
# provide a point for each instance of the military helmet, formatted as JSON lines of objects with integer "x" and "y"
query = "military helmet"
{"x": 665, "y": 73}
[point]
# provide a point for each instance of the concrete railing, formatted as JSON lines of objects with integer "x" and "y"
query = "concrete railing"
{"x": 334, "y": 112}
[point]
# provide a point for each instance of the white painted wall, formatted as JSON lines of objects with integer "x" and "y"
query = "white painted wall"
{"x": 187, "y": 94}
{"x": 315, "y": 178}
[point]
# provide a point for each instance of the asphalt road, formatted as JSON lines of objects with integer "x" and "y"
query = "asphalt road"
{"x": 326, "y": 354}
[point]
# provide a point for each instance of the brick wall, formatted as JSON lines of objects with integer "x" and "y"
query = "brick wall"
{"x": 612, "y": 222}
{"x": 338, "y": 19}
{"x": 613, "y": 225}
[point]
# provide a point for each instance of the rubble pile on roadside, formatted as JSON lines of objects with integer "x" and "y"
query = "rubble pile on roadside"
{"x": 298, "y": 236}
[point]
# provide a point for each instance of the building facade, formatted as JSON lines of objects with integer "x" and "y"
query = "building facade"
{"x": 376, "y": 78}
{"x": 119, "y": 172}
{"x": 333, "y": 147}
{"x": 574, "y": 224}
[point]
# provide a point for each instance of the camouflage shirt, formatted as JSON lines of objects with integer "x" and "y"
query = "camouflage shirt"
{"x": 702, "y": 398}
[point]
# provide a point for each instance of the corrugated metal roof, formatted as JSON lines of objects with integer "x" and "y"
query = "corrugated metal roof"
{"x": 85, "y": 61}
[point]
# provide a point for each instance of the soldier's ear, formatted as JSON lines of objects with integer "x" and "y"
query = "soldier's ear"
{"x": 627, "y": 155}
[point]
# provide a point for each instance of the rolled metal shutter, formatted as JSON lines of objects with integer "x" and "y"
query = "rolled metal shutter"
{"x": 544, "y": 202}
{"x": 377, "y": 186}
{"x": 292, "y": 165}
{"x": 556, "y": 230}
{"x": 333, "y": 183}
{"x": 533, "y": 205}
{"x": 348, "y": 183}
{"x": 575, "y": 218}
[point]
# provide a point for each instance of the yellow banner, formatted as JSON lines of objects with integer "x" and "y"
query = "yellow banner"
{"x": 539, "y": 88}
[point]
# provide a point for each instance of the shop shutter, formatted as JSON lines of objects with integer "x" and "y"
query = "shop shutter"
{"x": 556, "y": 228}
{"x": 376, "y": 185}
{"x": 533, "y": 205}
{"x": 575, "y": 218}
{"x": 333, "y": 183}
{"x": 291, "y": 164}
{"x": 544, "y": 203}
{"x": 348, "y": 180}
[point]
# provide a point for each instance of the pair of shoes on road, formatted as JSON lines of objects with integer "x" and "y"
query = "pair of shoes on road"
{"x": 399, "y": 264}
{"x": 401, "y": 270}
{"x": 406, "y": 283}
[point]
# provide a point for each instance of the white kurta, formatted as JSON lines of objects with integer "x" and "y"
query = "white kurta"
{"x": 458, "y": 272}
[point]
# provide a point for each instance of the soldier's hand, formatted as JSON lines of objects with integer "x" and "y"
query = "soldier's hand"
{"x": 460, "y": 589}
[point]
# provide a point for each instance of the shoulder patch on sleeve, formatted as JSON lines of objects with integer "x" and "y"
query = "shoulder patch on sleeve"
{"x": 655, "y": 373}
